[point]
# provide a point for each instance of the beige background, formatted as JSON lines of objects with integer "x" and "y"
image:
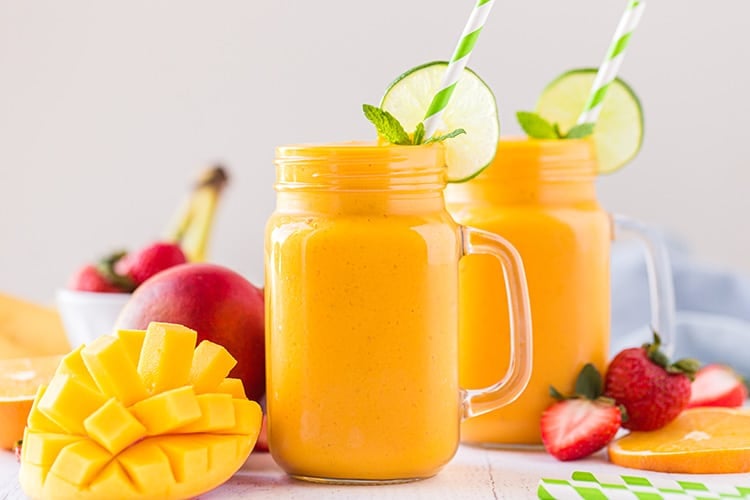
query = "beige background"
{"x": 108, "y": 109}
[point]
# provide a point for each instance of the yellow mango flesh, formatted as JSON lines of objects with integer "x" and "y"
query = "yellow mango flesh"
{"x": 114, "y": 427}
{"x": 149, "y": 468}
{"x": 167, "y": 411}
{"x": 35, "y": 475}
{"x": 38, "y": 420}
{"x": 166, "y": 356}
{"x": 233, "y": 387}
{"x": 246, "y": 412}
{"x": 187, "y": 459}
{"x": 133, "y": 342}
{"x": 41, "y": 448}
{"x": 113, "y": 479}
{"x": 112, "y": 369}
{"x": 72, "y": 364}
{"x": 57, "y": 487}
{"x": 216, "y": 414}
{"x": 78, "y": 463}
{"x": 84, "y": 442}
{"x": 68, "y": 402}
{"x": 211, "y": 364}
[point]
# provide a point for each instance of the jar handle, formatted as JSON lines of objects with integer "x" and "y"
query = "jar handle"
{"x": 660, "y": 284}
{"x": 507, "y": 389}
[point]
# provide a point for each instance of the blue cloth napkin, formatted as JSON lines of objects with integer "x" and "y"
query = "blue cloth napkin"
{"x": 712, "y": 306}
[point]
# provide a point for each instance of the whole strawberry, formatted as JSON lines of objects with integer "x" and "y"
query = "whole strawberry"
{"x": 141, "y": 265}
{"x": 101, "y": 277}
{"x": 652, "y": 390}
{"x": 582, "y": 424}
{"x": 89, "y": 279}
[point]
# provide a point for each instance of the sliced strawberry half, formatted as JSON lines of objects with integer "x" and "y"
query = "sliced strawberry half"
{"x": 577, "y": 426}
{"x": 717, "y": 385}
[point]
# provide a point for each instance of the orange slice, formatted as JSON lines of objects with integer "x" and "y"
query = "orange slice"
{"x": 699, "y": 441}
{"x": 19, "y": 380}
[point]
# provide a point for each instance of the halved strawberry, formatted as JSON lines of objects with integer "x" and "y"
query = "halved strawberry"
{"x": 578, "y": 426}
{"x": 717, "y": 385}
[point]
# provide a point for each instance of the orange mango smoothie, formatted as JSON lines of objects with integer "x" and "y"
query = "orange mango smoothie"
{"x": 362, "y": 314}
{"x": 540, "y": 196}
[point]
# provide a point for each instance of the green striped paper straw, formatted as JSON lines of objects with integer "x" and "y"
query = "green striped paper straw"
{"x": 612, "y": 61}
{"x": 586, "y": 485}
{"x": 456, "y": 65}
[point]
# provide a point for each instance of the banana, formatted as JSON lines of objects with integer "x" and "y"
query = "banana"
{"x": 191, "y": 227}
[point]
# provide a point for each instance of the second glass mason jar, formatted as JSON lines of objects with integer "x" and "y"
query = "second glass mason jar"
{"x": 362, "y": 315}
{"x": 541, "y": 196}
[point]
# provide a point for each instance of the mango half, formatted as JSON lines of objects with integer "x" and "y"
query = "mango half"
{"x": 138, "y": 414}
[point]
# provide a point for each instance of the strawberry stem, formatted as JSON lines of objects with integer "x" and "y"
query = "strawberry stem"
{"x": 687, "y": 366}
{"x": 106, "y": 267}
{"x": 589, "y": 382}
{"x": 589, "y": 385}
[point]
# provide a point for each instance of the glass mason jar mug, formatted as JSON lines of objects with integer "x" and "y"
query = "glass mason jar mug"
{"x": 541, "y": 196}
{"x": 362, "y": 315}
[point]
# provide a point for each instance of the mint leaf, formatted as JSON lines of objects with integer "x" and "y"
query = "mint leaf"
{"x": 580, "y": 131}
{"x": 441, "y": 138}
{"x": 389, "y": 127}
{"x": 556, "y": 126}
{"x": 418, "y": 136}
{"x": 536, "y": 127}
{"x": 386, "y": 124}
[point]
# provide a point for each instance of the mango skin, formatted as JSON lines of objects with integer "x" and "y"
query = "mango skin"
{"x": 218, "y": 303}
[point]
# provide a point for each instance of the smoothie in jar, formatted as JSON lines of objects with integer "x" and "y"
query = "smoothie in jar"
{"x": 540, "y": 196}
{"x": 362, "y": 345}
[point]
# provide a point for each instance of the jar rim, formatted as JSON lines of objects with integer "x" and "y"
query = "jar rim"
{"x": 359, "y": 166}
{"x": 550, "y": 160}
{"x": 352, "y": 149}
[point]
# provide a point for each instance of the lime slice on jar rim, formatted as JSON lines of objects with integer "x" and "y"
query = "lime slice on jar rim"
{"x": 618, "y": 132}
{"x": 472, "y": 107}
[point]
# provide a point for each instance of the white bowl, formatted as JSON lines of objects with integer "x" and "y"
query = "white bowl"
{"x": 88, "y": 315}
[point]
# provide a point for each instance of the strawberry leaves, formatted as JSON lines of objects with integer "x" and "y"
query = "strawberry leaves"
{"x": 589, "y": 386}
{"x": 106, "y": 268}
{"x": 579, "y": 425}
{"x": 589, "y": 383}
{"x": 688, "y": 366}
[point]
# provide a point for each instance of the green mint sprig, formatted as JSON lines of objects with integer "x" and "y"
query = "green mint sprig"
{"x": 391, "y": 129}
{"x": 537, "y": 127}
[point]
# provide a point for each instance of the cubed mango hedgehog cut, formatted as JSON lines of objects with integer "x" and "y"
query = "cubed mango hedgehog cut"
{"x": 138, "y": 414}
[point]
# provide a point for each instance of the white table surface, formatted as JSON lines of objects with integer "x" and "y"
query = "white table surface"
{"x": 474, "y": 473}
